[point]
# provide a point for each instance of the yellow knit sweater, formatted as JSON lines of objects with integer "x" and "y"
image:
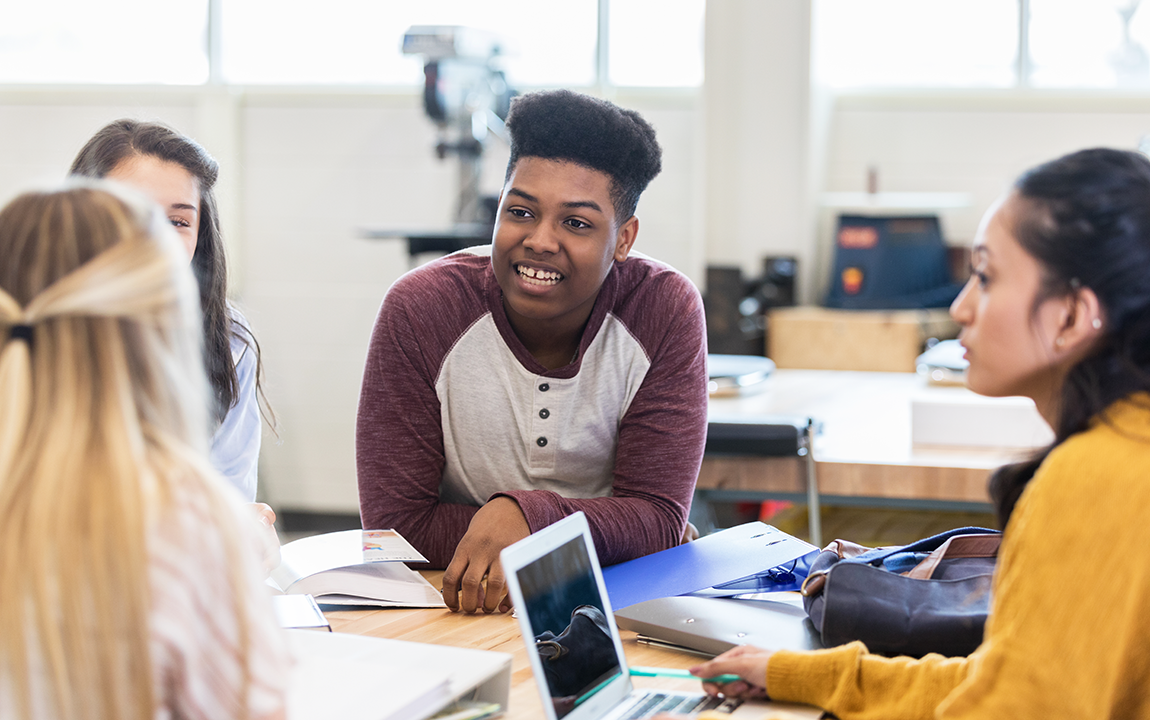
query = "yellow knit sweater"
{"x": 1069, "y": 628}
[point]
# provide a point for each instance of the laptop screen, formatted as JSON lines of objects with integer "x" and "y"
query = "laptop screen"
{"x": 567, "y": 617}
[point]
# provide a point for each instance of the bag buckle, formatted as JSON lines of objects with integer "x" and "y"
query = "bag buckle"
{"x": 813, "y": 584}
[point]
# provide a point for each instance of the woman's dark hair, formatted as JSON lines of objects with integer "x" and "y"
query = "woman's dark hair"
{"x": 587, "y": 131}
{"x": 125, "y": 139}
{"x": 1086, "y": 218}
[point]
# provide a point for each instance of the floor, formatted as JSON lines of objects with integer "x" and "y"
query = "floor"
{"x": 872, "y": 527}
{"x": 293, "y": 525}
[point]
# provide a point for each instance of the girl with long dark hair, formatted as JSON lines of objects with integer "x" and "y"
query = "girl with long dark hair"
{"x": 1057, "y": 310}
{"x": 180, "y": 175}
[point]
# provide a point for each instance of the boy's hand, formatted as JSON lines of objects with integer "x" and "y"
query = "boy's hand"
{"x": 498, "y": 524}
{"x": 690, "y": 534}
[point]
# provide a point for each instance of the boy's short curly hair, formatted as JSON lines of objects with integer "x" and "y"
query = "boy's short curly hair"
{"x": 587, "y": 131}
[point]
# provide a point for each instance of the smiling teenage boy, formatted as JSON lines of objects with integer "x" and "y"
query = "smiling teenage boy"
{"x": 509, "y": 386}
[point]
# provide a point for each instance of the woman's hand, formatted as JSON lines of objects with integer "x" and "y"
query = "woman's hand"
{"x": 269, "y": 541}
{"x": 264, "y": 513}
{"x": 746, "y": 661}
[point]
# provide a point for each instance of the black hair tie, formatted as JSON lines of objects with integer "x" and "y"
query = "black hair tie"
{"x": 21, "y": 332}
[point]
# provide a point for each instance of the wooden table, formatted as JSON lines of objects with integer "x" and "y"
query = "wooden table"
{"x": 864, "y": 449}
{"x": 500, "y": 633}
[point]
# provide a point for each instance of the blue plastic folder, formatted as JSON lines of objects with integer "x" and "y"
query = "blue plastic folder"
{"x": 746, "y": 556}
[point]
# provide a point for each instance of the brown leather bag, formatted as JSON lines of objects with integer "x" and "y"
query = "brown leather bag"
{"x": 929, "y": 596}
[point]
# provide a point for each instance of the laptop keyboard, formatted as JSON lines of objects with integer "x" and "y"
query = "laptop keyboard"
{"x": 656, "y": 703}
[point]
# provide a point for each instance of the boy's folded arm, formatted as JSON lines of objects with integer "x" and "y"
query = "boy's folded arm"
{"x": 623, "y": 527}
{"x": 661, "y": 437}
{"x": 399, "y": 442}
{"x": 399, "y": 476}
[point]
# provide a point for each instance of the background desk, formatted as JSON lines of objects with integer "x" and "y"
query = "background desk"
{"x": 500, "y": 633}
{"x": 863, "y": 454}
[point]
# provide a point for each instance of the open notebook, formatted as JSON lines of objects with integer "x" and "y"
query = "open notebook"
{"x": 574, "y": 647}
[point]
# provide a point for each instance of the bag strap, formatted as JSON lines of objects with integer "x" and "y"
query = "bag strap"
{"x": 958, "y": 546}
{"x": 930, "y": 544}
{"x": 849, "y": 552}
{"x": 845, "y": 549}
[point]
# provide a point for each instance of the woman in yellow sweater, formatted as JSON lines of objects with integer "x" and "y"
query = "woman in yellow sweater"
{"x": 1057, "y": 310}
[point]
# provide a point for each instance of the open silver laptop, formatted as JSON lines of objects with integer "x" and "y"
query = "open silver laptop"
{"x": 575, "y": 650}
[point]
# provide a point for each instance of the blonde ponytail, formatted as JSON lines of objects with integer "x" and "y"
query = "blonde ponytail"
{"x": 15, "y": 383}
{"x": 103, "y": 421}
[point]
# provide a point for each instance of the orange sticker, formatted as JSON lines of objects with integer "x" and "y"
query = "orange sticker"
{"x": 852, "y": 280}
{"x": 858, "y": 237}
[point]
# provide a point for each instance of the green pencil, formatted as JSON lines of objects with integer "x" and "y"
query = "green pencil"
{"x": 681, "y": 674}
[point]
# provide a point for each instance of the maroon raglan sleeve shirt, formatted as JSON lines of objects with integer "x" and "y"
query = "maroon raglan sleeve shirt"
{"x": 454, "y": 410}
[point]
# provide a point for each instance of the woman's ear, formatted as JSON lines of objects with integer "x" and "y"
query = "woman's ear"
{"x": 626, "y": 238}
{"x": 1082, "y": 323}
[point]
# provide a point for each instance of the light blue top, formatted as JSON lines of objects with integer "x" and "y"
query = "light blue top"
{"x": 236, "y": 444}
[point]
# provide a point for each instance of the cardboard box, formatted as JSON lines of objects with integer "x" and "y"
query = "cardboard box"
{"x": 816, "y": 338}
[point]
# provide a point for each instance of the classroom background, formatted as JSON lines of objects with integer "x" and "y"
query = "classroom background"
{"x": 762, "y": 108}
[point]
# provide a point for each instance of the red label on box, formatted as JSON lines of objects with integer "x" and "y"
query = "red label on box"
{"x": 858, "y": 237}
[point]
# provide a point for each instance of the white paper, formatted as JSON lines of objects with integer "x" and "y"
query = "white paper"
{"x": 332, "y": 563}
{"x": 388, "y": 546}
{"x": 298, "y": 611}
{"x": 368, "y": 683}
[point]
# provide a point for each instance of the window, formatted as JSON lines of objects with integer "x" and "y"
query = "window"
{"x": 934, "y": 43}
{"x": 982, "y": 43}
{"x": 79, "y": 41}
{"x": 656, "y": 46}
{"x": 358, "y": 41}
{"x": 1088, "y": 43}
{"x": 344, "y": 42}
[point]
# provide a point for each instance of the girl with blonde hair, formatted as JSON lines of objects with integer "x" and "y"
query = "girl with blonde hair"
{"x": 129, "y": 587}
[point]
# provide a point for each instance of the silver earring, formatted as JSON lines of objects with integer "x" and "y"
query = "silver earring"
{"x": 1096, "y": 323}
{"x": 1059, "y": 341}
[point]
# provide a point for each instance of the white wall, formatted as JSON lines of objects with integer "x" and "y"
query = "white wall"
{"x": 974, "y": 143}
{"x": 758, "y": 116}
{"x": 315, "y": 171}
{"x": 40, "y": 132}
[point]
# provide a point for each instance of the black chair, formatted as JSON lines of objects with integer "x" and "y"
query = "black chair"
{"x": 762, "y": 436}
